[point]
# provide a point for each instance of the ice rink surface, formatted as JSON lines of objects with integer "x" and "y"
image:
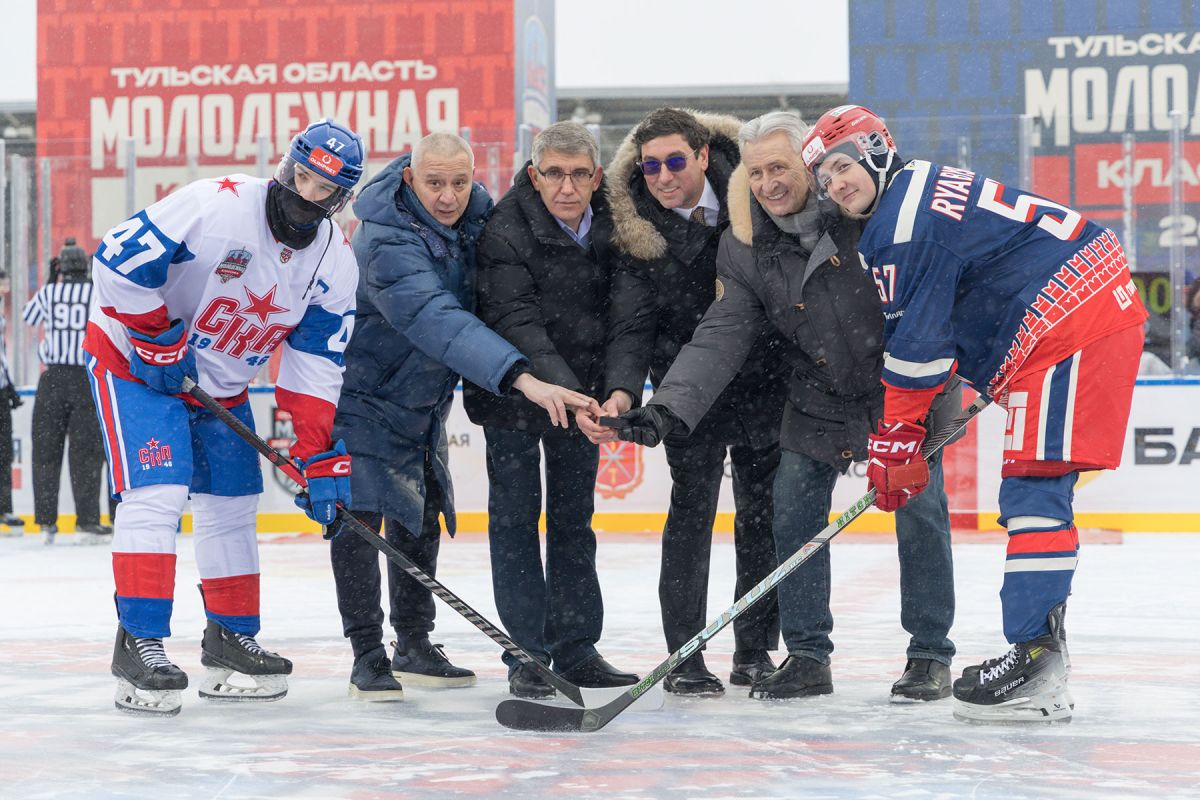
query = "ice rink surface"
{"x": 1133, "y": 625}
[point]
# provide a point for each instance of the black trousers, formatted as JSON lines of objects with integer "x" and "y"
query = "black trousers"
{"x": 64, "y": 409}
{"x": 696, "y": 472}
{"x": 357, "y": 578}
{"x": 555, "y": 610}
{"x": 6, "y": 457}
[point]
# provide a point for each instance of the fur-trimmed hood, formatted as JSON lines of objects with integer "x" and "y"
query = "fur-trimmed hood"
{"x": 747, "y": 217}
{"x": 635, "y": 235}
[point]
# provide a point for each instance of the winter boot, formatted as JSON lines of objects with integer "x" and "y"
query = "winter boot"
{"x": 1027, "y": 684}
{"x": 525, "y": 681}
{"x": 691, "y": 677}
{"x": 147, "y": 681}
{"x": 750, "y": 667}
{"x": 923, "y": 679}
{"x": 797, "y": 676}
{"x": 418, "y": 662}
{"x": 225, "y": 653}
{"x": 371, "y": 678}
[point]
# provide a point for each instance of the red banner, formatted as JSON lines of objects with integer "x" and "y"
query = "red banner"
{"x": 206, "y": 87}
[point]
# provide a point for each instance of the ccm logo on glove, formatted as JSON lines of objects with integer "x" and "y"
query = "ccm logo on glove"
{"x": 161, "y": 357}
{"x": 887, "y": 447}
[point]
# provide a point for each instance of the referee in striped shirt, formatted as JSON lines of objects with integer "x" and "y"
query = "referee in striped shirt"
{"x": 63, "y": 406}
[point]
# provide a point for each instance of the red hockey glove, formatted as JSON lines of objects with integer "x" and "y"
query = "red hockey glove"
{"x": 896, "y": 471}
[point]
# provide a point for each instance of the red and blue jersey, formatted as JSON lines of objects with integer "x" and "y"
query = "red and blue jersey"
{"x": 984, "y": 280}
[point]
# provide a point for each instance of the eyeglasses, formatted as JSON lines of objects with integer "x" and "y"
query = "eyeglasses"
{"x": 557, "y": 176}
{"x": 652, "y": 166}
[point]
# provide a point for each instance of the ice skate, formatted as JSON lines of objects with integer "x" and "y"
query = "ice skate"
{"x": 1028, "y": 684}
{"x": 93, "y": 534}
{"x": 226, "y": 653}
{"x": 14, "y": 524}
{"x": 147, "y": 681}
{"x": 51, "y": 532}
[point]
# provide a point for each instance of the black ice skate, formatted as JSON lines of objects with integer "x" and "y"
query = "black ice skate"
{"x": 1028, "y": 684}
{"x": 147, "y": 681}
{"x": 225, "y": 653}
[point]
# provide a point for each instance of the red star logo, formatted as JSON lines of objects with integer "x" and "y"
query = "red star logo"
{"x": 153, "y": 443}
{"x": 230, "y": 184}
{"x": 263, "y": 307}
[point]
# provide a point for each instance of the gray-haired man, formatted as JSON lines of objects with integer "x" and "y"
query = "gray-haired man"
{"x": 791, "y": 260}
{"x": 546, "y": 286}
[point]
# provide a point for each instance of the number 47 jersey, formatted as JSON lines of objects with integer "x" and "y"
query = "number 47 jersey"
{"x": 993, "y": 279}
{"x": 206, "y": 255}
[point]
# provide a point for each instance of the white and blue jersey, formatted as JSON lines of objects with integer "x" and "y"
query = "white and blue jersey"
{"x": 205, "y": 254}
{"x": 982, "y": 279}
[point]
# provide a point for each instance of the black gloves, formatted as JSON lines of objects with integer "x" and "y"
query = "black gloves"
{"x": 10, "y": 396}
{"x": 646, "y": 426}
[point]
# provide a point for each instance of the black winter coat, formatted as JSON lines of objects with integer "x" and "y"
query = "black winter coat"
{"x": 555, "y": 302}
{"x": 825, "y": 306}
{"x": 671, "y": 265}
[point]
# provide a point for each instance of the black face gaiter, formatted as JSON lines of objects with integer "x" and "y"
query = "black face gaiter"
{"x": 292, "y": 219}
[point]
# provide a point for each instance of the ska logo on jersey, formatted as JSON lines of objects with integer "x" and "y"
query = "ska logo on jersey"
{"x": 234, "y": 265}
{"x": 154, "y": 454}
{"x": 285, "y": 255}
{"x": 228, "y": 326}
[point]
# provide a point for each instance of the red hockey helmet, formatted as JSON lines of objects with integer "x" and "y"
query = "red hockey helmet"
{"x": 854, "y": 130}
{"x": 857, "y": 132}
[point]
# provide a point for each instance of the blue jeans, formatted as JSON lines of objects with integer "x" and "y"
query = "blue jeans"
{"x": 556, "y": 613}
{"x": 803, "y": 495}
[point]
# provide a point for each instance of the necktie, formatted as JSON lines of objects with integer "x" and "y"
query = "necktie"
{"x": 697, "y": 215}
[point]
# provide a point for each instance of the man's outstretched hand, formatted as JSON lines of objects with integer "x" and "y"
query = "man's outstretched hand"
{"x": 646, "y": 426}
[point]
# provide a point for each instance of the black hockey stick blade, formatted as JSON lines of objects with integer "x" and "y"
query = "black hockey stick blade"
{"x": 526, "y": 715}
{"x": 523, "y": 715}
{"x": 348, "y": 520}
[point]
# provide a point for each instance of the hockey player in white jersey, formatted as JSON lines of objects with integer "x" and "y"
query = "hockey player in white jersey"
{"x": 206, "y": 284}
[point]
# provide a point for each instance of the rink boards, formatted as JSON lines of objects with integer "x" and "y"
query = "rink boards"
{"x": 1152, "y": 491}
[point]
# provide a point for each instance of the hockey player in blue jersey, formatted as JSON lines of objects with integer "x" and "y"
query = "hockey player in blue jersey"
{"x": 1034, "y": 306}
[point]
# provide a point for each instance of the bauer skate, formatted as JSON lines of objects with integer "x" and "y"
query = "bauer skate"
{"x": 225, "y": 653}
{"x": 147, "y": 681}
{"x": 1028, "y": 684}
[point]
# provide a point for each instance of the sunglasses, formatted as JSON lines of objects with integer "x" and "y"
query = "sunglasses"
{"x": 652, "y": 166}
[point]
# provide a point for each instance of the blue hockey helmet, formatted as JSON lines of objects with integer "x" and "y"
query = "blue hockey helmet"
{"x": 329, "y": 159}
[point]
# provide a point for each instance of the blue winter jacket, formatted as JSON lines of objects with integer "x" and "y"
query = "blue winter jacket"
{"x": 415, "y": 334}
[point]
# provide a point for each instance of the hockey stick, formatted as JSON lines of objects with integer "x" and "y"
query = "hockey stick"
{"x": 526, "y": 715}
{"x": 348, "y": 520}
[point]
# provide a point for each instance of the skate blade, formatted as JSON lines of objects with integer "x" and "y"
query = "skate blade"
{"x": 653, "y": 699}
{"x": 433, "y": 681}
{"x": 147, "y": 702}
{"x": 389, "y": 696}
{"x": 217, "y": 685}
{"x": 1057, "y": 709}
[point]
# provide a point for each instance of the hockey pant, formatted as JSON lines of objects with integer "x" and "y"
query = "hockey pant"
{"x": 160, "y": 449}
{"x": 1064, "y": 418}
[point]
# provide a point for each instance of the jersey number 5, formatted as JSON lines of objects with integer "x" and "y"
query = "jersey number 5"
{"x": 1025, "y": 207}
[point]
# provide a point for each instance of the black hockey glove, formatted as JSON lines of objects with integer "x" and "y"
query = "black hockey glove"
{"x": 646, "y": 426}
